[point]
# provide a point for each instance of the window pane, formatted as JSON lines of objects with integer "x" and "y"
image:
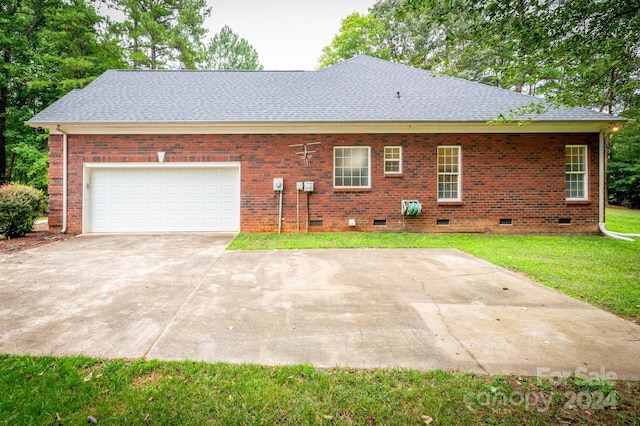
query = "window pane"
{"x": 576, "y": 172}
{"x": 392, "y": 158}
{"x": 351, "y": 166}
{"x": 392, "y": 167}
{"x": 448, "y": 173}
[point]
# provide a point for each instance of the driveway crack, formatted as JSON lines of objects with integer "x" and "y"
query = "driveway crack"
{"x": 462, "y": 345}
{"x": 186, "y": 301}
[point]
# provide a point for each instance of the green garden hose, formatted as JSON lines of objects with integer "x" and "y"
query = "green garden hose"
{"x": 412, "y": 208}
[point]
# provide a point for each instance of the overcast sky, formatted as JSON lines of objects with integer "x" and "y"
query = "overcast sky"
{"x": 288, "y": 34}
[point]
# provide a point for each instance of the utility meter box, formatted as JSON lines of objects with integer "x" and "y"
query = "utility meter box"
{"x": 278, "y": 184}
{"x": 308, "y": 186}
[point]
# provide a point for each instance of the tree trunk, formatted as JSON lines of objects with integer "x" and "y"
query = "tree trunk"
{"x": 153, "y": 56}
{"x": 12, "y": 160}
{"x": 519, "y": 87}
{"x": 4, "y": 102}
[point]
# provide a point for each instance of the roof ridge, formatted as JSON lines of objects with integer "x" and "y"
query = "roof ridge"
{"x": 208, "y": 71}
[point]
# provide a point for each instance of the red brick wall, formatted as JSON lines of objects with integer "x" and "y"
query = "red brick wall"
{"x": 518, "y": 177}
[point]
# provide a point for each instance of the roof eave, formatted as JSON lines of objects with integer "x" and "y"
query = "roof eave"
{"x": 326, "y": 127}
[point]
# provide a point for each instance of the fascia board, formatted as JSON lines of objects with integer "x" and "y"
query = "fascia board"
{"x": 328, "y": 127}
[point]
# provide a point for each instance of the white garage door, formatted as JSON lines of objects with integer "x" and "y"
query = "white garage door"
{"x": 162, "y": 199}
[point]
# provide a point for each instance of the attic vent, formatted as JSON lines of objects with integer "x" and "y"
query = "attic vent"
{"x": 398, "y": 95}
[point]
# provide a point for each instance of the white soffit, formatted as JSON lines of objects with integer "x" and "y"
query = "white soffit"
{"x": 329, "y": 128}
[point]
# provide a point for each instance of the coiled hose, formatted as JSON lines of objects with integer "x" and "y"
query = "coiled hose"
{"x": 411, "y": 208}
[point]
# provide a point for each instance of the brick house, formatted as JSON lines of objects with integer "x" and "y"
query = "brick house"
{"x": 381, "y": 146}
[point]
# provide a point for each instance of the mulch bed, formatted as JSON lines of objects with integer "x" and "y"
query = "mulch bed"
{"x": 39, "y": 237}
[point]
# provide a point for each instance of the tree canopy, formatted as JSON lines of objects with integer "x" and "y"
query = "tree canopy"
{"x": 359, "y": 34}
{"x": 228, "y": 51}
{"x": 161, "y": 34}
{"x": 573, "y": 52}
{"x": 49, "y": 47}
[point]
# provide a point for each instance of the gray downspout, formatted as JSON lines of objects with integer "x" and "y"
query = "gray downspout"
{"x": 64, "y": 179}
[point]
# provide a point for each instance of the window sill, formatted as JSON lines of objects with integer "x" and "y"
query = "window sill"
{"x": 578, "y": 202}
{"x": 393, "y": 175}
{"x": 450, "y": 203}
{"x": 343, "y": 190}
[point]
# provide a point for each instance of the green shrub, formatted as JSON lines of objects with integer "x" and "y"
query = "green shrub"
{"x": 19, "y": 208}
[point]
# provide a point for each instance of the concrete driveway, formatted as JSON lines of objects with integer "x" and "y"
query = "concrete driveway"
{"x": 185, "y": 297}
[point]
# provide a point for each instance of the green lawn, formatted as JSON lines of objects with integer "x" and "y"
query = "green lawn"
{"x": 602, "y": 271}
{"x": 66, "y": 391}
{"x": 623, "y": 220}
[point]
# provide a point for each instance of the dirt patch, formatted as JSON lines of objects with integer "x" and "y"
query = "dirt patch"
{"x": 39, "y": 237}
{"x": 146, "y": 380}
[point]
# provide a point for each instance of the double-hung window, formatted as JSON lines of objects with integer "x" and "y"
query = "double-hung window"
{"x": 576, "y": 172}
{"x": 351, "y": 167}
{"x": 449, "y": 186}
{"x": 392, "y": 160}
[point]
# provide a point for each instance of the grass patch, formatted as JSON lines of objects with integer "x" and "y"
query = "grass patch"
{"x": 45, "y": 390}
{"x": 620, "y": 219}
{"x": 601, "y": 271}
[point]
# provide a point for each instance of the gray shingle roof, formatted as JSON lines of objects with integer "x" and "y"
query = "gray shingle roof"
{"x": 361, "y": 89}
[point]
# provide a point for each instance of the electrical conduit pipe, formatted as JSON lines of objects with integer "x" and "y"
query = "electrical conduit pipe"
{"x": 280, "y": 213}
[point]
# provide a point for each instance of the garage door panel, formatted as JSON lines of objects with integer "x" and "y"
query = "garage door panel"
{"x": 174, "y": 207}
{"x": 210, "y": 190}
{"x": 152, "y": 175}
{"x": 137, "y": 207}
{"x": 211, "y": 207}
{"x": 119, "y": 207}
{"x": 133, "y": 223}
{"x": 192, "y": 207}
{"x": 174, "y": 190}
{"x": 99, "y": 190}
{"x": 173, "y": 224}
{"x": 117, "y": 190}
{"x": 226, "y": 207}
{"x": 174, "y": 174}
{"x": 154, "y": 190}
{"x": 154, "y": 207}
{"x": 193, "y": 189}
{"x": 163, "y": 199}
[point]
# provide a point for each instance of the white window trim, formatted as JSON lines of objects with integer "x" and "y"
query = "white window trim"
{"x": 399, "y": 160}
{"x": 335, "y": 148}
{"x": 459, "y": 174}
{"x": 585, "y": 174}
